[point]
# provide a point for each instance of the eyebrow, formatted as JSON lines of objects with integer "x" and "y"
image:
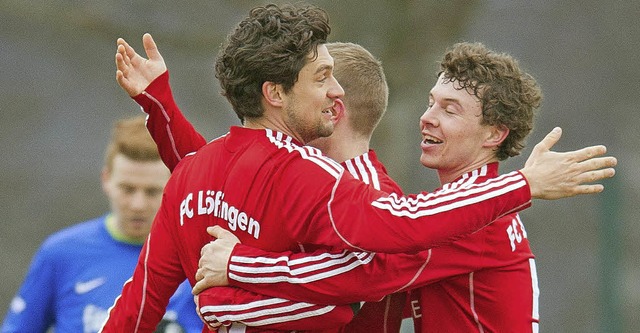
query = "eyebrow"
{"x": 447, "y": 99}
{"x": 323, "y": 68}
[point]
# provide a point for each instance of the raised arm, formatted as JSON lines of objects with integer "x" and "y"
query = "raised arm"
{"x": 147, "y": 82}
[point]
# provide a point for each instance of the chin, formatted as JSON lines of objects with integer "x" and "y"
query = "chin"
{"x": 428, "y": 162}
{"x": 326, "y": 131}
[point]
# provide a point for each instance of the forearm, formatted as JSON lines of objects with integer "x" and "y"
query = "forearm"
{"x": 393, "y": 224}
{"x": 341, "y": 277}
{"x": 174, "y": 135}
{"x": 338, "y": 277}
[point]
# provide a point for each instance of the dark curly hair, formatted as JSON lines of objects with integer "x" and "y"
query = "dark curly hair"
{"x": 272, "y": 44}
{"x": 509, "y": 96}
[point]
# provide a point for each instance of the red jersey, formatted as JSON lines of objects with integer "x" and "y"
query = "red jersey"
{"x": 277, "y": 195}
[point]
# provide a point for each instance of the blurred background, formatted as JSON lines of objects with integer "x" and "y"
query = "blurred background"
{"x": 59, "y": 99}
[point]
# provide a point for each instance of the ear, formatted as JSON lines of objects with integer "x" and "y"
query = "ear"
{"x": 496, "y": 135}
{"x": 105, "y": 175}
{"x": 272, "y": 93}
{"x": 339, "y": 108}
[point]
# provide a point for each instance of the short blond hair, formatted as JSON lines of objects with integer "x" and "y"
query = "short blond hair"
{"x": 366, "y": 93}
{"x": 130, "y": 138}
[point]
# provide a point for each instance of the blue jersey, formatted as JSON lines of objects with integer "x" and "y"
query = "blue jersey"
{"x": 74, "y": 279}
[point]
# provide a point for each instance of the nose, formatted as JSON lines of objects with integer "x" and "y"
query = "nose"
{"x": 138, "y": 200}
{"x": 428, "y": 118}
{"x": 336, "y": 90}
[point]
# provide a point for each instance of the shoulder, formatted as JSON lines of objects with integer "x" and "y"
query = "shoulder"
{"x": 265, "y": 147}
{"x": 370, "y": 170}
{"x": 69, "y": 236}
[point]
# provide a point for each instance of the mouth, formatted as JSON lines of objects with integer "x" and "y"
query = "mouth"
{"x": 138, "y": 220}
{"x": 430, "y": 140}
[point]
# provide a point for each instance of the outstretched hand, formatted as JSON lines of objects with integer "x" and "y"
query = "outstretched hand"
{"x": 214, "y": 256}
{"x": 133, "y": 72}
{"x": 553, "y": 175}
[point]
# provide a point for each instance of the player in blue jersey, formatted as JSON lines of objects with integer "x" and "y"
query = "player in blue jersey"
{"x": 78, "y": 272}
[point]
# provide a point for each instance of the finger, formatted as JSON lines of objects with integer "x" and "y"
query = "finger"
{"x": 587, "y": 153}
{"x": 199, "y": 274}
{"x": 597, "y": 163}
{"x": 549, "y": 140}
{"x": 121, "y": 65}
{"x": 119, "y": 41}
{"x": 120, "y": 78}
{"x": 128, "y": 50}
{"x": 125, "y": 60}
{"x": 220, "y": 233}
{"x": 150, "y": 47}
{"x": 589, "y": 189}
{"x": 215, "y": 231}
{"x": 594, "y": 176}
{"x": 209, "y": 247}
{"x": 198, "y": 287}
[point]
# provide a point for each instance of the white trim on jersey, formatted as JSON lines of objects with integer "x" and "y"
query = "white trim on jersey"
{"x": 312, "y": 268}
{"x": 472, "y": 303}
{"x": 536, "y": 295}
{"x": 167, "y": 127}
{"x": 362, "y": 168}
{"x": 314, "y": 155}
{"x": 425, "y": 204}
{"x": 144, "y": 284}
{"x": 278, "y": 309}
{"x": 409, "y": 284}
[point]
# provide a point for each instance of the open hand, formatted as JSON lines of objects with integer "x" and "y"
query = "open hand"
{"x": 553, "y": 175}
{"x": 133, "y": 72}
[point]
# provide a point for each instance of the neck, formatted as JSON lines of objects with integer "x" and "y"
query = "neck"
{"x": 342, "y": 145}
{"x": 346, "y": 150}
{"x": 268, "y": 123}
{"x": 114, "y": 230}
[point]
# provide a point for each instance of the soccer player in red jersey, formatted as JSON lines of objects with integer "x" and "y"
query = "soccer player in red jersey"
{"x": 365, "y": 102}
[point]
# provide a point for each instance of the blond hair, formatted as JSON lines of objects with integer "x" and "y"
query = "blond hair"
{"x": 366, "y": 93}
{"x": 130, "y": 138}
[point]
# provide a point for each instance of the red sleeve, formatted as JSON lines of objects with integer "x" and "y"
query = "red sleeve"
{"x": 373, "y": 221}
{"x": 335, "y": 277}
{"x": 172, "y": 132}
{"x": 227, "y": 305}
{"x": 144, "y": 297}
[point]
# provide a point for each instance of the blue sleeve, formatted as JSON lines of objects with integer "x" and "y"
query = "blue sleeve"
{"x": 32, "y": 309}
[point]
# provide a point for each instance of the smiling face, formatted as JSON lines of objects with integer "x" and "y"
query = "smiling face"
{"x": 308, "y": 107}
{"x": 134, "y": 189}
{"x": 453, "y": 139}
